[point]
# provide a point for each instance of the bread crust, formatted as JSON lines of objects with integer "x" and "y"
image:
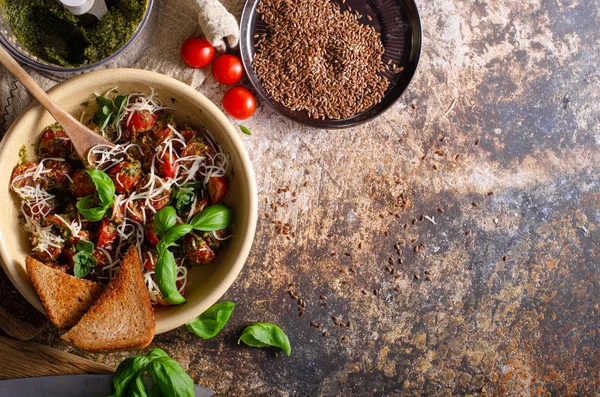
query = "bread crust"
{"x": 64, "y": 297}
{"x": 122, "y": 318}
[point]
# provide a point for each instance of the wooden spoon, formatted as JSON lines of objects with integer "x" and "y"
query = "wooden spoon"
{"x": 83, "y": 138}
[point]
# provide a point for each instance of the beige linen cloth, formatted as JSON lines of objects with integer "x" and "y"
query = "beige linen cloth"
{"x": 216, "y": 20}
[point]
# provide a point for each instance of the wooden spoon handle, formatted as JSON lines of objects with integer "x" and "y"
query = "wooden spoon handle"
{"x": 38, "y": 93}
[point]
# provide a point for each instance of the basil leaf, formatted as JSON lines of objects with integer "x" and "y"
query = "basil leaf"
{"x": 126, "y": 372}
{"x": 155, "y": 392}
{"x": 104, "y": 102}
{"x": 209, "y": 323}
{"x": 85, "y": 246}
{"x": 170, "y": 378}
{"x": 83, "y": 262}
{"x": 166, "y": 275}
{"x": 266, "y": 334}
{"x": 245, "y": 130}
{"x": 156, "y": 353}
{"x": 104, "y": 186}
{"x": 91, "y": 214}
{"x": 164, "y": 220}
{"x": 185, "y": 196}
{"x": 137, "y": 387}
{"x": 215, "y": 217}
{"x": 174, "y": 234}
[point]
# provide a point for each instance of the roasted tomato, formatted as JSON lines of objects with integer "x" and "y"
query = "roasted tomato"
{"x": 59, "y": 176}
{"x": 107, "y": 234}
{"x": 198, "y": 147}
{"x": 150, "y": 234}
{"x": 142, "y": 153}
{"x": 215, "y": 240}
{"x": 189, "y": 133}
{"x": 45, "y": 255}
{"x": 135, "y": 210}
{"x": 102, "y": 258}
{"x": 140, "y": 121}
{"x": 158, "y": 200}
{"x": 23, "y": 176}
{"x": 165, "y": 165}
{"x": 82, "y": 184}
{"x": 202, "y": 202}
{"x": 39, "y": 210}
{"x": 126, "y": 175}
{"x": 54, "y": 143}
{"x": 195, "y": 249}
{"x": 217, "y": 188}
{"x": 118, "y": 210}
{"x": 149, "y": 258}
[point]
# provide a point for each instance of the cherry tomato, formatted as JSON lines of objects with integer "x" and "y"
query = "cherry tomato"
{"x": 217, "y": 188}
{"x": 136, "y": 210}
{"x": 157, "y": 200}
{"x": 54, "y": 143}
{"x": 189, "y": 133}
{"x": 150, "y": 234}
{"x": 196, "y": 250}
{"x": 149, "y": 258}
{"x": 165, "y": 165}
{"x": 140, "y": 121}
{"x": 125, "y": 175}
{"x": 239, "y": 103}
{"x": 82, "y": 184}
{"x": 102, "y": 258}
{"x": 59, "y": 176}
{"x": 227, "y": 69}
{"x": 197, "y": 52}
{"x": 107, "y": 234}
{"x": 18, "y": 181}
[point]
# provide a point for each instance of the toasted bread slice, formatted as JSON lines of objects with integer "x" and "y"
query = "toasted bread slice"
{"x": 65, "y": 298}
{"x": 122, "y": 317}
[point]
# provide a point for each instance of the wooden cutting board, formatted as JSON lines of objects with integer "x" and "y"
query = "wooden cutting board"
{"x": 26, "y": 359}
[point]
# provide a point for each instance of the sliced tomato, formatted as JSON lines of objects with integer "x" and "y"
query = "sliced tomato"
{"x": 198, "y": 147}
{"x": 54, "y": 142}
{"x": 39, "y": 210}
{"x": 140, "y": 121}
{"x": 150, "y": 234}
{"x": 126, "y": 175}
{"x": 202, "y": 202}
{"x": 157, "y": 201}
{"x": 107, "y": 234}
{"x": 196, "y": 250}
{"x": 161, "y": 134}
{"x": 136, "y": 211}
{"x": 101, "y": 257}
{"x": 165, "y": 165}
{"x": 59, "y": 176}
{"x": 142, "y": 153}
{"x": 217, "y": 188}
{"x": 82, "y": 184}
{"x": 189, "y": 133}
{"x": 47, "y": 255}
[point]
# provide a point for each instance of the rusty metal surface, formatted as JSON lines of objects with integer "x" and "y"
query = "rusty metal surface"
{"x": 512, "y": 304}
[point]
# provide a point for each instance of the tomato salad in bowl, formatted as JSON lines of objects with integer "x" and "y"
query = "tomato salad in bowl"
{"x": 159, "y": 188}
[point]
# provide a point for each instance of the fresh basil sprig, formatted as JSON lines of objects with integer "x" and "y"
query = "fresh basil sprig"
{"x": 209, "y": 323}
{"x": 83, "y": 260}
{"x": 165, "y": 272}
{"x": 184, "y": 196}
{"x": 265, "y": 334}
{"x": 110, "y": 110}
{"x": 106, "y": 193}
{"x": 215, "y": 217}
{"x": 169, "y": 378}
{"x": 164, "y": 219}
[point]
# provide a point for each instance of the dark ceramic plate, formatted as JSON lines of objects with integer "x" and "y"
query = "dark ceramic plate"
{"x": 400, "y": 27}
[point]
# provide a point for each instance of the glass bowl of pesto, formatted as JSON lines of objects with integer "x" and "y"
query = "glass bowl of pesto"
{"x": 45, "y": 35}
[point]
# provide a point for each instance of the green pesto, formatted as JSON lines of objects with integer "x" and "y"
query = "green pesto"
{"x": 50, "y": 32}
{"x": 23, "y": 158}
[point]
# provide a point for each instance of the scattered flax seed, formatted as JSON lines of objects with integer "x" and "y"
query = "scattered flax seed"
{"x": 375, "y": 292}
{"x": 397, "y": 246}
{"x": 424, "y": 157}
{"x": 381, "y": 216}
{"x": 320, "y": 326}
{"x": 405, "y": 226}
{"x": 305, "y": 184}
{"x": 370, "y": 18}
{"x": 345, "y": 338}
{"x": 442, "y": 139}
{"x": 440, "y": 153}
{"x": 397, "y": 289}
{"x": 388, "y": 269}
{"x": 397, "y": 215}
{"x": 421, "y": 218}
{"x": 323, "y": 297}
{"x": 386, "y": 233}
{"x": 475, "y": 204}
{"x": 417, "y": 249}
{"x": 427, "y": 272}
{"x": 391, "y": 260}
{"x": 314, "y": 324}
{"x": 348, "y": 324}
{"x": 414, "y": 221}
{"x": 301, "y": 314}
{"x": 490, "y": 193}
{"x": 457, "y": 156}
{"x": 334, "y": 318}
{"x": 345, "y": 282}
{"x": 352, "y": 270}
{"x": 401, "y": 140}
{"x": 400, "y": 260}
{"x": 342, "y": 270}
{"x": 347, "y": 253}
{"x": 435, "y": 167}
{"x": 440, "y": 210}
{"x": 477, "y": 142}
{"x": 428, "y": 278}
{"x": 325, "y": 334}
{"x": 333, "y": 253}
{"x": 275, "y": 354}
{"x": 417, "y": 277}
{"x": 413, "y": 240}
{"x": 329, "y": 235}
{"x": 363, "y": 292}
{"x": 468, "y": 233}
{"x": 397, "y": 276}
{"x": 291, "y": 284}
{"x": 360, "y": 244}
{"x": 504, "y": 258}
{"x": 256, "y": 36}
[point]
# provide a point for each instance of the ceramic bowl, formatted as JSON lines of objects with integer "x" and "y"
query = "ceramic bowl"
{"x": 205, "y": 284}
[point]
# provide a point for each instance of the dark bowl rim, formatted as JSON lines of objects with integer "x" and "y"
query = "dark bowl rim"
{"x": 416, "y": 48}
{"x": 87, "y": 68}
